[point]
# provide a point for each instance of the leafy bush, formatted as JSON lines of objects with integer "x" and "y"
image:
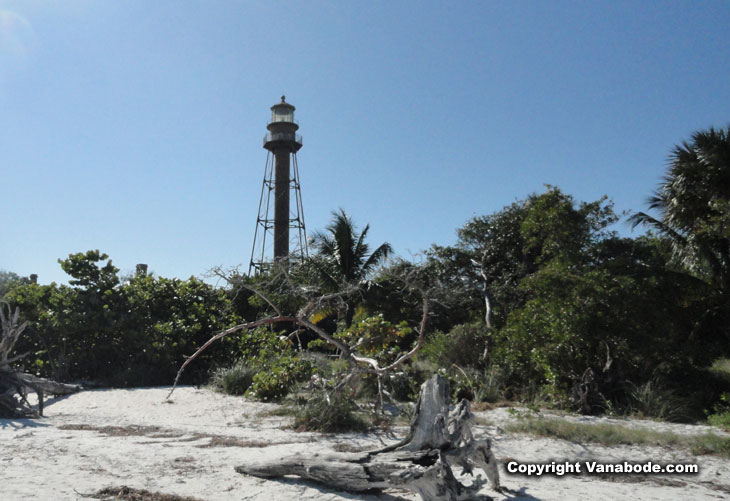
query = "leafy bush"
{"x": 130, "y": 333}
{"x": 721, "y": 416}
{"x": 330, "y": 413}
{"x": 473, "y": 384}
{"x": 720, "y": 419}
{"x": 268, "y": 367}
{"x": 235, "y": 380}
{"x": 276, "y": 378}
{"x": 584, "y": 331}
{"x": 459, "y": 356}
{"x": 652, "y": 400}
{"x": 406, "y": 385}
{"x": 262, "y": 344}
{"x": 378, "y": 338}
{"x": 464, "y": 345}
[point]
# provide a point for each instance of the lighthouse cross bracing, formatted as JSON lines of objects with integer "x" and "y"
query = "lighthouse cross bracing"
{"x": 273, "y": 240}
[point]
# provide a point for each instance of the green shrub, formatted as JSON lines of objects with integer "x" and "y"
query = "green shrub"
{"x": 464, "y": 345}
{"x": 473, "y": 384}
{"x": 275, "y": 378}
{"x": 406, "y": 385}
{"x": 721, "y": 415}
{"x": 126, "y": 332}
{"x": 378, "y": 338}
{"x": 330, "y": 413}
{"x": 459, "y": 355}
{"x": 721, "y": 366}
{"x": 233, "y": 380}
{"x": 267, "y": 370}
{"x": 721, "y": 420}
{"x": 262, "y": 344}
{"x": 652, "y": 400}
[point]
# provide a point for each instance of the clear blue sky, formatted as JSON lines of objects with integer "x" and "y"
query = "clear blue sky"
{"x": 135, "y": 126}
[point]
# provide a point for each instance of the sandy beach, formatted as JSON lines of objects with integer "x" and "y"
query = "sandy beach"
{"x": 190, "y": 445}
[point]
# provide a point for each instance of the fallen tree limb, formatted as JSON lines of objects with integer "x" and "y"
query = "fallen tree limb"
{"x": 346, "y": 352}
{"x": 234, "y": 329}
{"x": 46, "y": 385}
{"x": 422, "y": 462}
{"x": 14, "y": 387}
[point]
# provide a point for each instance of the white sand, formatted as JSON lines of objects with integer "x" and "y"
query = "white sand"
{"x": 39, "y": 459}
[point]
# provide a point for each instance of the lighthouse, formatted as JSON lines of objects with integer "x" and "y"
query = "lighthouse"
{"x": 286, "y": 229}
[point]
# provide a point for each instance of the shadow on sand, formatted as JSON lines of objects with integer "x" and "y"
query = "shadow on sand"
{"x": 519, "y": 494}
{"x": 296, "y": 481}
{"x": 21, "y": 423}
{"x": 381, "y": 496}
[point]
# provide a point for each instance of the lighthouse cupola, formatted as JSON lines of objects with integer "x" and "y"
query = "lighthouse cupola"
{"x": 283, "y": 128}
{"x": 282, "y": 112}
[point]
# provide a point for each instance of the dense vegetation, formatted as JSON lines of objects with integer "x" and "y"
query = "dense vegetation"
{"x": 121, "y": 332}
{"x": 540, "y": 301}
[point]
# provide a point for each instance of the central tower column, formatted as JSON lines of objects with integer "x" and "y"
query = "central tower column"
{"x": 281, "y": 204}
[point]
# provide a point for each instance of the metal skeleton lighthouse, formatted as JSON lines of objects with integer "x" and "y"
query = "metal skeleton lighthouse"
{"x": 281, "y": 178}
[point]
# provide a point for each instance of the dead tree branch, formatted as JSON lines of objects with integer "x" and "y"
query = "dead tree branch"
{"x": 485, "y": 290}
{"x": 422, "y": 462}
{"x": 302, "y": 319}
{"x": 222, "y": 334}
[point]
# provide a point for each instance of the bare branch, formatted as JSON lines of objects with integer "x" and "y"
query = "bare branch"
{"x": 358, "y": 363}
{"x": 346, "y": 351}
{"x": 485, "y": 290}
{"x": 368, "y": 360}
{"x": 262, "y": 296}
{"x": 9, "y": 333}
{"x": 16, "y": 358}
{"x": 222, "y": 334}
{"x": 323, "y": 300}
{"x": 419, "y": 342}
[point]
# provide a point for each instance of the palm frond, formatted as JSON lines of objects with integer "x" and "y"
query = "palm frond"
{"x": 346, "y": 250}
{"x": 321, "y": 314}
{"x": 361, "y": 248}
{"x": 378, "y": 256}
{"x": 642, "y": 218}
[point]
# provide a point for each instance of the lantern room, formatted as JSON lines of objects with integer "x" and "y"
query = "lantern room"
{"x": 282, "y": 112}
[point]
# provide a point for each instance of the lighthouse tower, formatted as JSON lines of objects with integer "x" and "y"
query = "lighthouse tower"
{"x": 281, "y": 178}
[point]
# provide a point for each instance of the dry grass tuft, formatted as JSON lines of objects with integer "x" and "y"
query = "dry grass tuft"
{"x": 611, "y": 434}
{"x": 221, "y": 441}
{"x": 157, "y": 432}
{"x": 350, "y": 448}
{"x": 125, "y": 493}
{"x": 124, "y": 431}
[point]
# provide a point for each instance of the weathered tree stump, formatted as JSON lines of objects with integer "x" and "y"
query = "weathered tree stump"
{"x": 422, "y": 462}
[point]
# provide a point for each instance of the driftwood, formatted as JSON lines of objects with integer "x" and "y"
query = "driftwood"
{"x": 14, "y": 388}
{"x": 422, "y": 462}
{"x": 14, "y": 385}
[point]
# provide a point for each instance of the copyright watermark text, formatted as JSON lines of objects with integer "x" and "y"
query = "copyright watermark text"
{"x": 594, "y": 467}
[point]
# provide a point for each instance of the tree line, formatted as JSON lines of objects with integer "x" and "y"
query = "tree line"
{"x": 541, "y": 301}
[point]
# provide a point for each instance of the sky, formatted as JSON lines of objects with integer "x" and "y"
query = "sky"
{"x": 135, "y": 127}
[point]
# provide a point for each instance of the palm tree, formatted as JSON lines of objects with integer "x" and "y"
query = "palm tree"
{"x": 693, "y": 203}
{"x": 345, "y": 257}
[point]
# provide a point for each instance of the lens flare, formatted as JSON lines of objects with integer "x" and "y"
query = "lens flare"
{"x": 17, "y": 43}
